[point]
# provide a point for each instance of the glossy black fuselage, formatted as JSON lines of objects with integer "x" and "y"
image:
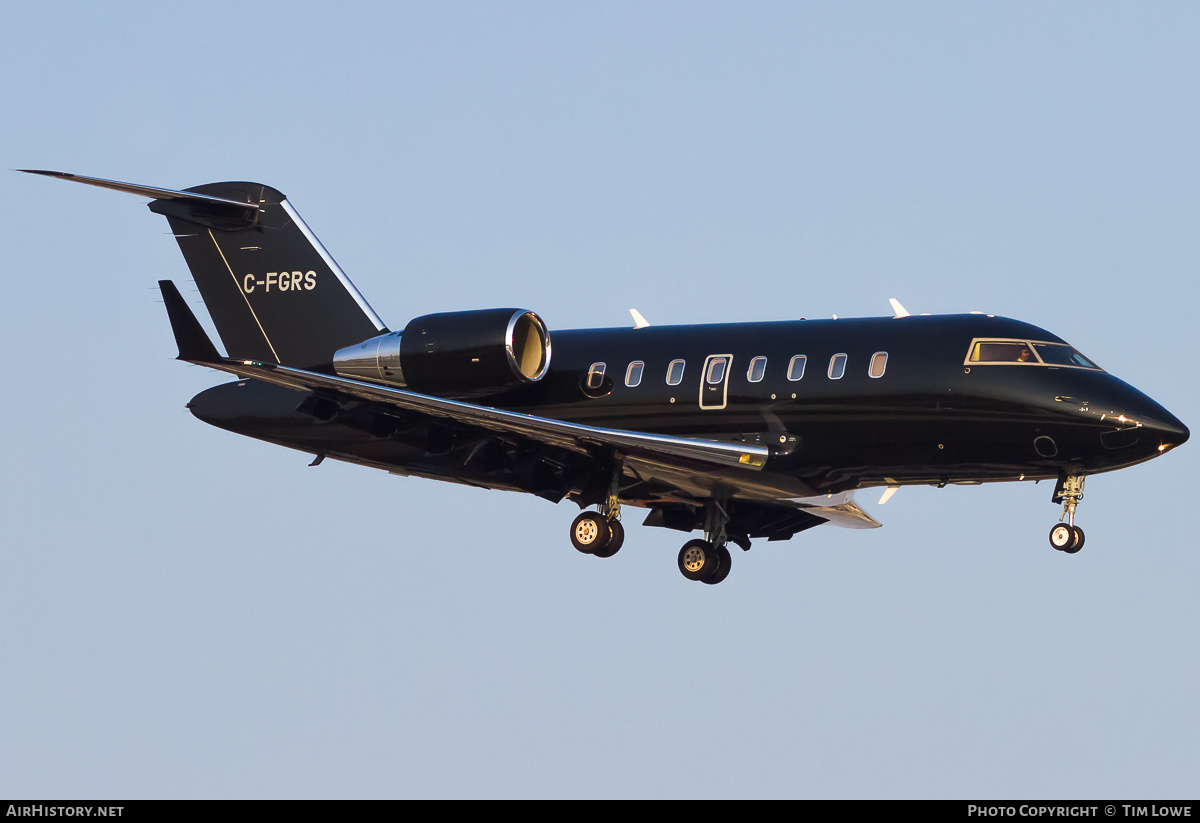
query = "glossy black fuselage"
{"x": 930, "y": 417}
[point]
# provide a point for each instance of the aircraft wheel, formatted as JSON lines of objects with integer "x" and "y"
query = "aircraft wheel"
{"x": 698, "y": 560}
{"x": 615, "y": 541}
{"x": 1062, "y": 536}
{"x": 1076, "y": 542}
{"x": 724, "y": 562}
{"x": 590, "y": 532}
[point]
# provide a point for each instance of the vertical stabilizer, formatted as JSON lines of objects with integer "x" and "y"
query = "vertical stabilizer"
{"x": 275, "y": 294}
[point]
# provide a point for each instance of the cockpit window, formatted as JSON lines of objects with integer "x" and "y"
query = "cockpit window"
{"x": 1027, "y": 352}
{"x": 1054, "y": 355}
{"x": 1002, "y": 352}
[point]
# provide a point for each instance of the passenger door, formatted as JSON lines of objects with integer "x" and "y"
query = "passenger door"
{"x": 714, "y": 381}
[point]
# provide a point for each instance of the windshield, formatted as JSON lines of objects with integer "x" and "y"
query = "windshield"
{"x": 1027, "y": 352}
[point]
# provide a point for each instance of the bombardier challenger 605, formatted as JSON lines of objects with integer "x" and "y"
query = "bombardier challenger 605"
{"x": 741, "y": 431}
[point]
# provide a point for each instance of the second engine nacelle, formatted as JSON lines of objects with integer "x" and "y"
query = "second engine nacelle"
{"x": 457, "y": 353}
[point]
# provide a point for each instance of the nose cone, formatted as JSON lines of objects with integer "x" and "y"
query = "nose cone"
{"x": 1133, "y": 427}
{"x": 1169, "y": 430}
{"x": 1158, "y": 429}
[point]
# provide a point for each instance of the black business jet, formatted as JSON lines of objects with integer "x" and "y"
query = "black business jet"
{"x": 742, "y": 431}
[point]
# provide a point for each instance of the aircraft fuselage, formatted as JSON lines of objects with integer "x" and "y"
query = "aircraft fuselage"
{"x": 750, "y": 430}
{"x": 931, "y": 416}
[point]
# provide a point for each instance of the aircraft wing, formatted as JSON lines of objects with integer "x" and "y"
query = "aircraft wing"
{"x": 682, "y": 470}
{"x": 195, "y": 347}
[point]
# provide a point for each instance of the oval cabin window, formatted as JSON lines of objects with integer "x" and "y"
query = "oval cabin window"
{"x": 878, "y": 364}
{"x": 595, "y": 378}
{"x": 675, "y": 373}
{"x": 716, "y": 370}
{"x": 633, "y": 375}
{"x": 758, "y": 368}
{"x": 837, "y": 366}
{"x": 796, "y": 367}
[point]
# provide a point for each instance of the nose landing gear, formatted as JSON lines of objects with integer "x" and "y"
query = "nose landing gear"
{"x": 1066, "y": 536}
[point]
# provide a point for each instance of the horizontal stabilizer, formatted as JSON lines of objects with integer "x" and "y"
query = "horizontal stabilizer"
{"x": 237, "y": 206}
{"x": 273, "y": 291}
{"x": 194, "y": 343}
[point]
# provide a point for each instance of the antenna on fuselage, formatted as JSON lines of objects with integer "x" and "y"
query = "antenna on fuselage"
{"x": 897, "y": 308}
{"x": 639, "y": 322}
{"x": 888, "y": 492}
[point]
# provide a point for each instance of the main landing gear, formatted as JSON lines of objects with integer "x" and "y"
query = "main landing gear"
{"x": 1066, "y": 536}
{"x": 600, "y": 533}
{"x": 593, "y": 533}
{"x": 708, "y": 560}
{"x": 705, "y": 561}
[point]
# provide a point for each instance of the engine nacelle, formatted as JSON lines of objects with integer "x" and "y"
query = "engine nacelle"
{"x": 459, "y": 353}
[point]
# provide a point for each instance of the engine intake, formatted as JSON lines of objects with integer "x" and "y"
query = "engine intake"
{"x": 456, "y": 353}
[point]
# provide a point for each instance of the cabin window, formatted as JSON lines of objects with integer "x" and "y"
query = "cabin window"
{"x": 796, "y": 367}
{"x": 595, "y": 378}
{"x": 758, "y": 367}
{"x": 837, "y": 366}
{"x": 878, "y": 364}
{"x": 675, "y": 373}
{"x": 716, "y": 370}
{"x": 633, "y": 374}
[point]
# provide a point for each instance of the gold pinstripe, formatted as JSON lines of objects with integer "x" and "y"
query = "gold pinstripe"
{"x": 238, "y": 286}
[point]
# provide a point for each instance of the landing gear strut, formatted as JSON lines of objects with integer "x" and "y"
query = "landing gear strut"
{"x": 1066, "y": 536}
{"x": 708, "y": 560}
{"x": 601, "y": 533}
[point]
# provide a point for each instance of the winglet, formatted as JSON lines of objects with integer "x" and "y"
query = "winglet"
{"x": 194, "y": 343}
{"x": 639, "y": 322}
{"x": 899, "y": 310}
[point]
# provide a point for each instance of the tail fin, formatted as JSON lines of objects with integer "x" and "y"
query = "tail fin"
{"x": 274, "y": 292}
{"x": 193, "y": 342}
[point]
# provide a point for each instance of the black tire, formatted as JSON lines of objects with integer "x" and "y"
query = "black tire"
{"x": 590, "y": 532}
{"x": 616, "y": 539}
{"x": 1077, "y": 542}
{"x": 1062, "y": 536}
{"x": 698, "y": 560}
{"x": 724, "y": 563}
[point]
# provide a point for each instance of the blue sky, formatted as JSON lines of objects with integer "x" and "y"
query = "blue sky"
{"x": 188, "y": 613}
